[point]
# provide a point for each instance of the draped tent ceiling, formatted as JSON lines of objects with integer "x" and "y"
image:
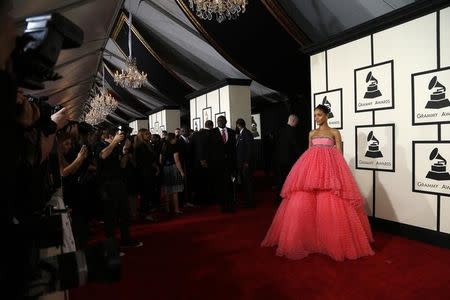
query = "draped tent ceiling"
{"x": 182, "y": 54}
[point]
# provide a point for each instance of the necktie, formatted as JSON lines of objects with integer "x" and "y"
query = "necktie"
{"x": 224, "y": 137}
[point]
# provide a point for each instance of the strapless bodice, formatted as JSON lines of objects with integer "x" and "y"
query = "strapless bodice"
{"x": 322, "y": 141}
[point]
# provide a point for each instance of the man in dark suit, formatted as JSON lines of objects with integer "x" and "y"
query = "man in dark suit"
{"x": 287, "y": 152}
{"x": 244, "y": 161}
{"x": 202, "y": 179}
{"x": 223, "y": 162}
{"x": 185, "y": 147}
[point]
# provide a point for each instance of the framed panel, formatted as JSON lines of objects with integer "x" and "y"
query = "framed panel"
{"x": 157, "y": 128}
{"x": 375, "y": 147}
{"x": 374, "y": 87}
{"x": 196, "y": 124}
{"x": 255, "y": 126}
{"x": 332, "y": 99}
{"x": 430, "y": 168}
{"x": 218, "y": 115}
{"x": 430, "y": 99}
{"x": 207, "y": 114}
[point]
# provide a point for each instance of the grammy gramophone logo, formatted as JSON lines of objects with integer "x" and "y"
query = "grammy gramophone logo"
{"x": 372, "y": 88}
{"x": 327, "y": 104}
{"x": 373, "y": 146}
{"x": 437, "y": 97}
{"x": 439, "y": 167}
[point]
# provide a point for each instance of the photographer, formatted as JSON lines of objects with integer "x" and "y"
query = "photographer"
{"x": 76, "y": 159}
{"x": 113, "y": 191}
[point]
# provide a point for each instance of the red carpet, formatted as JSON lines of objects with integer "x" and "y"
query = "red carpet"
{"x": 208, "y": 255}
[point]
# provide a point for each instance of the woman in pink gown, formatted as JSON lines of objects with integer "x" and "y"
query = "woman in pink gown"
{"x": 322, "y": 209}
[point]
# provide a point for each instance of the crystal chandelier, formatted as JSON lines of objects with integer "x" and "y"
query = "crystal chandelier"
{"x": 131, "y": 77}
{"x": 221, "y": 9}
{"x": 104, "y": 102}
{"x": 100, "y": 106}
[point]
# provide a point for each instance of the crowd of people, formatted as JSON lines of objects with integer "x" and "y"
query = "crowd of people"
{"x": 116, "y": 177}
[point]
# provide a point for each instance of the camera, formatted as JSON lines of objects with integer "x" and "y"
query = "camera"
{"x": 126, "y": 130}
{"x": 37, "y": 50}
{"x": 46, "y": 110}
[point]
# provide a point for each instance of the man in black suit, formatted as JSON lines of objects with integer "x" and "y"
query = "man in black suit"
{"x": 223, "y": 162}
{"x": 185, "y": 147}
{"x": 244, "y": 160}
{"x": 287, "y": 152}
{"x": 202, "y": 181}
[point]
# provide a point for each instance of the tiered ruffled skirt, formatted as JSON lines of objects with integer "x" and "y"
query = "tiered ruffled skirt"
{"x": 322, "y": 210}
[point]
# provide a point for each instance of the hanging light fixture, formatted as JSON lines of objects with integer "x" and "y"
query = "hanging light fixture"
{"x": 100, "y": 106}
{"x": 220, "y": 9}
{"x": 131, "y": 77}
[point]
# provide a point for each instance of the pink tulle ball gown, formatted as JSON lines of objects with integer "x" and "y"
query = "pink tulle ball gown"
{"x": 322, "y": 209}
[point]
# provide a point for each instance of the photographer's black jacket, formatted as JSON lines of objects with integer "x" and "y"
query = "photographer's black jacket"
{"x": 108, "y": 169}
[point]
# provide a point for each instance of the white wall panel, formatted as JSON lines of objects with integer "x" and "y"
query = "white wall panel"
{"x": 445, "y": 131}
{"x": 240, "y": 105}
{"x": 445, "y": 38}
{"x": 171, "y": 119}
{"x": 213, "y": 102}
{"x": 224, "y": 101}
{"x": 201, "y": 104}
{"x": 318, "y": 77}
{"x": 233, "y": 100}
{"x": 413, "y": 47}
{"x": 340, "y": 75}
{"x": 445, "y": 214}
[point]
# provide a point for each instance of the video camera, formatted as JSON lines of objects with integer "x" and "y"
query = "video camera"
{"x": 46, "y": 111}
{"x": 37, "y": 50}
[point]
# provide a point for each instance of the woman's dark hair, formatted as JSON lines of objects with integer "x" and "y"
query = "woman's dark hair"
{"x": 170, "y": 136}
{"x": 325, "y": 109}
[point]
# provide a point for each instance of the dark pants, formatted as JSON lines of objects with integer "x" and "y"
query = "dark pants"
{"x": 186, "y": 195}
{"x": 224, "y": 188}
{"x": 80, "y": 229}
{"x": 148, "y": 191}
{"x": 246, "y": 181}
{"x": 116, "y": 208}
{"x": 203, "y": 182}
{"x": 76, "y": 196}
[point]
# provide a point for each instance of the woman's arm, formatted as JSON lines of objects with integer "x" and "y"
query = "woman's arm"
{"x": 310, "y": 137}
{"x": 66, "y": 169}
{"x": 176, "y": 156}
{"x": 109, "y": 149}
{"x": 338, "y": 139}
